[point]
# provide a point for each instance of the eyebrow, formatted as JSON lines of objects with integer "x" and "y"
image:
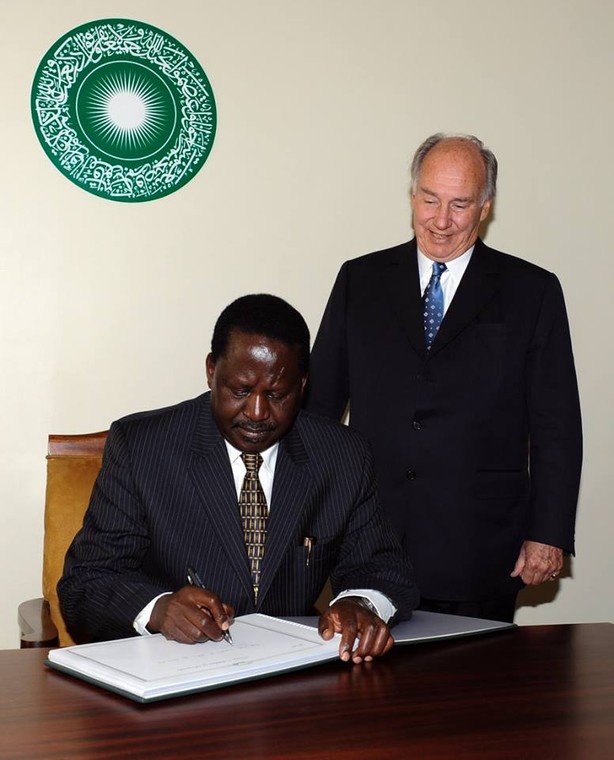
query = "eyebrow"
{"x": 454, "y": 200}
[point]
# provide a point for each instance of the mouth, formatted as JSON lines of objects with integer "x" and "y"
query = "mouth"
{"x": 439, "y": 236}
{"x": 254, "y": 433}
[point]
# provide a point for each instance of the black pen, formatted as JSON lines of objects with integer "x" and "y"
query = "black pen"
{"x": 194, "y": 580}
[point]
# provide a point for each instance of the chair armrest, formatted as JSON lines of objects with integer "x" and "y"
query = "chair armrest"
{"x": 35, "y": 626}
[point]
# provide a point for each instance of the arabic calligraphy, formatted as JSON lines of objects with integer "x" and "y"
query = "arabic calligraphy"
{"x": 123, "y": 110}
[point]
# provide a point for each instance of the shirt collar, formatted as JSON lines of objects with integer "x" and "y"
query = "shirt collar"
{"x": 456, "y": 267}
{"x": 269, "y": 456}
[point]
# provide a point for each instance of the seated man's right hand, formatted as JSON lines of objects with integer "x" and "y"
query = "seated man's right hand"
{"x": 190, "y": 615}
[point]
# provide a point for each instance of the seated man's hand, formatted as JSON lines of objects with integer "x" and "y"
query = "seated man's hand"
{"x": 355, "y": 623}
{"x": 191, "y": 615}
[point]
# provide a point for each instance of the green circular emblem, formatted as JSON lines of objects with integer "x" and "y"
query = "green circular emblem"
{"x": 123, "y": 110}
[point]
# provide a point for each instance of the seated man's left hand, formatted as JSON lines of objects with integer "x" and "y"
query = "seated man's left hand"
{"x": 355, "y": 623}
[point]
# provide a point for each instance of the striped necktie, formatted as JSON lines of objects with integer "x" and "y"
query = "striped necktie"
{"x": 254, "y": 513}
{"x": 432, "y": 302}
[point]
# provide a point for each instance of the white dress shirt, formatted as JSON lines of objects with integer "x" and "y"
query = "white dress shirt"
{"x": 450, "y": 279}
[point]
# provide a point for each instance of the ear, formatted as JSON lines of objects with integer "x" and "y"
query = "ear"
{"x": 485, "y": 210}
{"x": 303, "y": 384}
{"x": 209, "y": 368}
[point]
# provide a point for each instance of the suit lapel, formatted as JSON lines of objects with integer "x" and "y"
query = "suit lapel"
{"x": 478, "y": 286}
{"x": 402, "y": 281}
{"x": 291, "y": 486}
{"x": 212, "y": 476}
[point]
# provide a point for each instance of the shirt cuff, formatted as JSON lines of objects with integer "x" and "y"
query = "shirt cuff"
{"x": 142, "y": 619}
{"x": 383, "y": 605}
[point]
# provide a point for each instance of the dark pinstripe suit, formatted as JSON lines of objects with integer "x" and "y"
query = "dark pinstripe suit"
{"x": 165, "y": 498}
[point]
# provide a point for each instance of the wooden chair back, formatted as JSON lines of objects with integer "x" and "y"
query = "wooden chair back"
{"x": 73, "y": 462}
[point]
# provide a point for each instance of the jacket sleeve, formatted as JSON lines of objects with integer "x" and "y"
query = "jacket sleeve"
{"x": 102, "y": 588}
{"x": 329, "y": 385}
{"x": 555, "y": 428}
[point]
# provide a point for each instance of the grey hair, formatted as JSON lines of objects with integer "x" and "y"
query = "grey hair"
{"x": 487, "y": 156}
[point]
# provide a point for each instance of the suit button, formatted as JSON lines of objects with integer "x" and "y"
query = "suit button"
{"x": 411, "y": 474}
{"x": 416, "y": 425}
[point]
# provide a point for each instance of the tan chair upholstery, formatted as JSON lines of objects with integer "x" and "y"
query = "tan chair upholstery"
{"x": 73, "y": 462}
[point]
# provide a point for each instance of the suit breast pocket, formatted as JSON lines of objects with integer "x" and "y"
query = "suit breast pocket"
{"x": 318, "y": 553}
{"x": 492, "y": 333}
{"x": 314, "y": 559}
{"x": 491, "y": 345}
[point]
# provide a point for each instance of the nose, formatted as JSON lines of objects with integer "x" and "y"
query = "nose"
{"x": 257, "y": 407}
{"x": 442, "y": 217}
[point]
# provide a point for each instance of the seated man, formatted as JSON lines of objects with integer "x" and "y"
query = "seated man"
{"x": 263, "y": 501}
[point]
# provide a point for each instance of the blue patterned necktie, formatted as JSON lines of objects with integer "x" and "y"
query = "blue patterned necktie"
{"x": 432, "y": 302}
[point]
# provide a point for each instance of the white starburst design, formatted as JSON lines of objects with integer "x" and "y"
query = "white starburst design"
{"x": 127, "y": 110}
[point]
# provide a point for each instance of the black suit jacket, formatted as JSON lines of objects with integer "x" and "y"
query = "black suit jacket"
{"x": 165, "y": 499}
{"x": 477, "y": 443}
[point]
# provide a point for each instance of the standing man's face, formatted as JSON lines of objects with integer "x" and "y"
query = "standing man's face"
{"x": 446, "y": 200}
{"x": 256, "y": 390}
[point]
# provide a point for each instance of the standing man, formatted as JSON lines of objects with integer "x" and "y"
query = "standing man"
{"x": 457, "y": 365}
{"x": 261, "y": 501}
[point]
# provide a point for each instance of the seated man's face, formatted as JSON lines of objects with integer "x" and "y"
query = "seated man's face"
{"x": 256, "y": 390}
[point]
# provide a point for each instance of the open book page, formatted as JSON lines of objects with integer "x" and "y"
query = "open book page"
{"x": 151, "y": 667}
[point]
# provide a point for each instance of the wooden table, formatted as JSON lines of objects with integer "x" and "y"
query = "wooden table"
{"x": 534, "y": 692}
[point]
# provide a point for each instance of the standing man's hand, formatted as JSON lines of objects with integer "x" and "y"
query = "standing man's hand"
{"x": 355, "y": 622}
{"x": 537, "y": 563}
{"x": 191, "y": 615}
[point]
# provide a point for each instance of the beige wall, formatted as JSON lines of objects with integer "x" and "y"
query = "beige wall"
{"x": 106, "y": 308}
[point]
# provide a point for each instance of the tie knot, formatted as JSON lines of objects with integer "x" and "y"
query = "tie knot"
{"x": 252, "y": 462}
{"x": 438, "y": 268}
